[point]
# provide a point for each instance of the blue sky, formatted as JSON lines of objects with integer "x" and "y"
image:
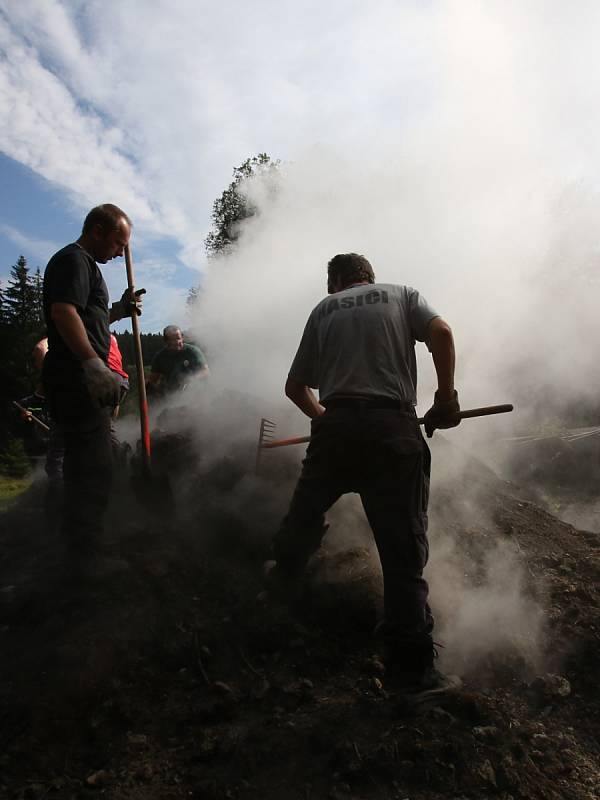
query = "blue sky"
{"x": 151, "y": 106}
{"x": 38, "y": 218}
{"x": 439, "y": 138}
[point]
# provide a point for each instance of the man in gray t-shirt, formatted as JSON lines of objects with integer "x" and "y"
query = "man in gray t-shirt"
{"x": 361, "y": 342}
{"x": 358, "y": 350}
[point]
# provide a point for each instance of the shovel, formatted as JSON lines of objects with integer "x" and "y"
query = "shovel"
{"x": 153, "y": 492}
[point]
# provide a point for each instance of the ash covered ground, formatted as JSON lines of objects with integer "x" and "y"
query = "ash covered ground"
{"x": 171, "y": 680}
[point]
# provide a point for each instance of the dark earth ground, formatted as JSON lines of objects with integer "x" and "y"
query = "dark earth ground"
{"x": 170, "y": 680}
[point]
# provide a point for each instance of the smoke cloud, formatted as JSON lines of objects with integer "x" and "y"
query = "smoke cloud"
{"x": 482, "y": 195}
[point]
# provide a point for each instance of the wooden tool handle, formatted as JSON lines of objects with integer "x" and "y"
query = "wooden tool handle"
{"x": 484, "y": 411}
{"x": 31, "y": 416}
{"x": 139, "y": 363}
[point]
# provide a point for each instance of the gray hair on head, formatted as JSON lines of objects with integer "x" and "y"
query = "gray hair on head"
{"x": 171, "y": 330}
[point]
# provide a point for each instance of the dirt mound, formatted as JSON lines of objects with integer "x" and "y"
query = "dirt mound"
{"x": 161, "y": 676}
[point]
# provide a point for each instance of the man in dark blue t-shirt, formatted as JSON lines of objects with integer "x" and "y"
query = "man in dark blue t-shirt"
{"x": 81, "y": 389}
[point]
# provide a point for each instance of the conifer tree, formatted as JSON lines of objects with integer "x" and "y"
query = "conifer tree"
{"x": 13, "y": 460}
{"x": 38, "y": 297}
{"x": 19, "y": 297}
{"x": 22, "y": 326}
{"x": 2, "y": 312}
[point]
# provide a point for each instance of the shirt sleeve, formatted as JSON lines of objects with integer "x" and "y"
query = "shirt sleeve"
{"x": 71, "y": 281}
{"x": 157, "y": 364}
{"x": 420, "y": 314}
{"x": 198, "y": 357}
{"x": 305, "y": 366}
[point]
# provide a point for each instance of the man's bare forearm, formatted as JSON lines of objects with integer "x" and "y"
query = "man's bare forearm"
{"x": 72, "y": 331}
{"x": 304, "y": 397}
{"x": 441, "y": 345}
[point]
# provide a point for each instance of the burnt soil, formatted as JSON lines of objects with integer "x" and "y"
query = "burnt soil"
{"x": 173, "y": 679}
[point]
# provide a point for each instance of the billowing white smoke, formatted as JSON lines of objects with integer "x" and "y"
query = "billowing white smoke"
{"x": 509, "y": 265}
{"x": 479, "y": 200}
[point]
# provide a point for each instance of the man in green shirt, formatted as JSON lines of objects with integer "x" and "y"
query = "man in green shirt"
{"x": 177, "y": 364}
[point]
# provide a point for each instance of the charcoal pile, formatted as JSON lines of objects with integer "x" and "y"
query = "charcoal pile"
{"x": 170, "y": 678}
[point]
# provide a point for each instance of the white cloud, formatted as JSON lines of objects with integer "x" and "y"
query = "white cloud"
{"x": 39, "y": 248}
{"x": 44, "y": 128}
{"x": 435, "y": 137}
{"x": 152, "y": 105}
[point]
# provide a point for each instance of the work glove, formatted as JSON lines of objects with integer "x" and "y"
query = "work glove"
{"x": 102, "y": 384}
{"x": 442, "y": 414}
{"x": 128, "y": 304}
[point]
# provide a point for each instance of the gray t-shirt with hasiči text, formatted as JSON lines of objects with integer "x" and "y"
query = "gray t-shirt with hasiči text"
{"x": 361, "y": 341}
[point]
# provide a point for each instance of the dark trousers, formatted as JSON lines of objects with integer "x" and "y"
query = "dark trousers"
{"x": 87, "y": 462}
{"x": 53, "y": 499}
{"x": 380, "y": 454}
{"x": 55, "y": 453}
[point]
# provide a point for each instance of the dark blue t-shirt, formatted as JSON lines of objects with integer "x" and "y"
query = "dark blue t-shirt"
{"x": 72, "y": 276}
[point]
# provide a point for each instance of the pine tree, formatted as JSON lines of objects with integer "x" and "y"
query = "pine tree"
{"x": 38, "y": 297}
{"x": 13, "y": 460}
{"x": 22, "y": 326}
{"x": 2, "y": 312}
{"x": 19, "y": 297}
{"x": 192, "y": 297}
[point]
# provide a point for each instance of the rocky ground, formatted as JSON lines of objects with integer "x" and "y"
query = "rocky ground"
{"x": 168, "y": 679}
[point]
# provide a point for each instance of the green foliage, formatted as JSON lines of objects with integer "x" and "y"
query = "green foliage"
{"x": 233, "y": 206}
{"x": 151, "y": 344}
{"x": 22, "y": 298}
{"x": 192, "y": 297}
{"x": 21, "y": 327}
{"x": 38, "y": 297}
{"x": 14, "y": 462}
{"x": 10, "y": 489}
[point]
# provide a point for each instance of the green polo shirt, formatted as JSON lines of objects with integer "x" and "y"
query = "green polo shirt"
{"x": 178, "y": 366}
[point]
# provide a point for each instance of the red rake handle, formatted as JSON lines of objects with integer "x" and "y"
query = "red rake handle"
{"x": 139, "y": 364}
{"x": 484, "y": 411}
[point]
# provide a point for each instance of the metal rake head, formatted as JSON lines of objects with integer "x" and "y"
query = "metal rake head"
{"x": 267, "y": 434}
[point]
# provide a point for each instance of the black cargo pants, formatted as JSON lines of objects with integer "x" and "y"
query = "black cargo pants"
{"x": 380, "y": 454}
{"x": 87, "y": 463}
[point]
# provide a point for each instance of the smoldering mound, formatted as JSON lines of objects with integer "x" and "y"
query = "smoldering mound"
{"x": 176, "y": 650}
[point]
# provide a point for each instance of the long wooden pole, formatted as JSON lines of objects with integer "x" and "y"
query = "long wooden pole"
{"x": 139, "y": 364}
{"x": 31, "y": 416}
{"x": 485, "y": 411}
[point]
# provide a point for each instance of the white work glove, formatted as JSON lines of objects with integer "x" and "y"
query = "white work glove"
{"x": 102, "y": 384}
{"x": 126, "y": 306}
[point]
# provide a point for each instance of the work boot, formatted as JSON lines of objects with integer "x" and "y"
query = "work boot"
{"x": 409, "y": 663}
{"x": 410, "y": 670}
{"x": 429, "y": 681}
